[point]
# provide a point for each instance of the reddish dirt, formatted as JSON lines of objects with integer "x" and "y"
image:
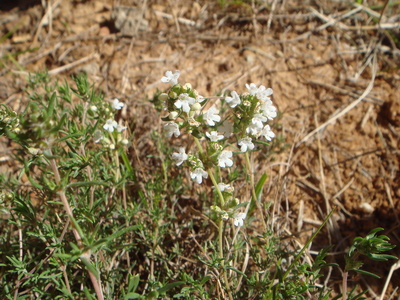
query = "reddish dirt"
{"x": 318, "y": 71}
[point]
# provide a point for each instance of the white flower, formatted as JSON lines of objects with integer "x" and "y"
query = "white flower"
{"x": 180, "y": 156}
{"x": 214, "y": 136}
{"x": 252, "y": 88}
{"x": 225, "y": 187}
{"x": 224, "y": 159}
{"x": 198, "y": 175}
{"x": 172, "y": 129}
{"x": 253, "y": 129}
{"x": 211, "y": 116}
{"x": 258, "y": 120}
{"x": 171, "y": 77}
{"x": 200, "y": 98}
{"x": 120, "y": 128}
{"x": 226, "y": 128}
{"x": 234, "y": 100}
{"x": 268, "y": 110}
{"x": 238, "y": 219}
{"x": 263, "y": 93}
{"x": 267, "y": 133}
{"x": 110, "y": 125}
{"x": 246, "y": 143}
{"x": 184, "y": 102}
{"x": 117, "y": 104}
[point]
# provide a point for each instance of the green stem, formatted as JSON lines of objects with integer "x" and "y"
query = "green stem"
{"x": 253, "y": 191}
{"x": 221, "y": 222}
{"x": 307, "y": 245}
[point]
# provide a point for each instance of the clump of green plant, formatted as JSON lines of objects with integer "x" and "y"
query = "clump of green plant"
{"x": 70, "y": 147}
{"x": 371, "y": 246}
{"x": 68, "y": 202}
{"x": 78, "y": 222}
{"x": 223, "y": 129}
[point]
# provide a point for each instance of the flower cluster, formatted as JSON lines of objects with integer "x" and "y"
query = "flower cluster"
{"x": 110, "y": 126}
{"x": 247, "y": 120}
{"x": 8, "y": 120}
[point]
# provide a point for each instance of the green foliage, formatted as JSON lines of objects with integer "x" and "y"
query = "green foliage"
{"x": 371, "y": 246}
{"x": 77, "y": 216}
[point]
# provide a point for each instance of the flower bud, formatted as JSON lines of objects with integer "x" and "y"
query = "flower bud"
{"x": 187, "y": 86}
{"x": 93, "y": 108}
{"x": 163, "y": 97}
{"x": 196, "y": 106}
{"x": 215, "y": 208}
{"x": 124, "y": 142}
{"x": 173, "y": 115}
{"x": 172, "y": 94}
{"x": 112, "y": 146}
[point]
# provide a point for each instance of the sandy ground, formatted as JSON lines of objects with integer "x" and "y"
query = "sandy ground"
{"x": 333, "y": 71}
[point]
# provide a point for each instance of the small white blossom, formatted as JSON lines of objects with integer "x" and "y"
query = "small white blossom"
{"x": 180, "y": 156}
{"x": 211, "y": 116}
{"x": 198, "y": 175}
{"x": 224, "y": 159}
{"x": 225, "y": 187}
{"x": 199, "y": 98}
{"x": 172, "y": 129}
{"x": 184, "y": 102}
{"x": 117, "y": 104}
{"x": 246, "y": 144}
{"x": 238, "y": 219}
{"x": 225, "y": 216}
{"x": 252, "y": 88}
{"x": 110, "y": 125}
{"x": 214, "y": 136}
{"x": 267, "y": 133}
{"x": 170, "y": 77}
{"x": 263, "y": 93}
{"x": 268, "y": 110}
{"x": 258, "y": 120}
{"x": 253, "y": 129}
{"x": 234, "y": 100}
{"x": 120, "y": 128}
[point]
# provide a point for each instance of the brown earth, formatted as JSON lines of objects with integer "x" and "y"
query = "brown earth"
{"x": 334, "y": 74}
